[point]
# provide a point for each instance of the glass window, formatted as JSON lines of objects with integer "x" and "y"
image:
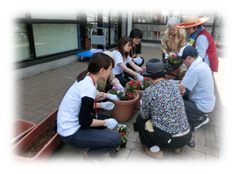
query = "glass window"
{"x": 150, "y": 16}
{"x": 91, "y": 22}
{"x": 17, "y": 11}
{"x": 21, "y": 42}
{"x": 224, "y": 17}
{"x": 113, "y": 27}
{"x": 124, "y": 24}
{"x": 55, "y": 38}
{"x": 218, "y": 36}
{"x": 54, "y": 11}
{"x": 151, "y": 32}
{"x": 105, "y": 14}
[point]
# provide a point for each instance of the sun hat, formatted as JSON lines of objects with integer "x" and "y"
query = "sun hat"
{"x": 192, "y": 21}
{"x": 110, "y": 54}
{"x": 153, "y": 67}
{"x": 186, "y": 51}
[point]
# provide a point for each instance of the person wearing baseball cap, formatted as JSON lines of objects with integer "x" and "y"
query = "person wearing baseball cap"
{"x": 201, "y": 39}
{"x": 199, "y": 97}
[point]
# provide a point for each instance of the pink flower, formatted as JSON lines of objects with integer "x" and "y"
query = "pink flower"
{"x": 113, "y": 87}
{"x": 118, "y": 87}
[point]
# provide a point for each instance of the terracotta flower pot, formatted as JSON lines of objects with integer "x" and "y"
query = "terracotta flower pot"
{"x": 168, "y": 77}
{"x": 46, "y": 150}
{"x": 138, "y": 104}
{"x": 122, "y": 110}
{"x": 21, "y": 128}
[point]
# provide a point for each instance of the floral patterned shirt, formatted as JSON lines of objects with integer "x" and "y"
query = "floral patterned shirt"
{"x": 163, "y": 103}
{"x": 168, "y": 41}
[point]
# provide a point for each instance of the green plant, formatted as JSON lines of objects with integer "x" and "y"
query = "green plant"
{"x": 178, "y": 74}
{"x": 123, "y": 128}
{"x": 171, "y": 59}
{"x": 120, "y": 93}
{"x": 135, "y": 85}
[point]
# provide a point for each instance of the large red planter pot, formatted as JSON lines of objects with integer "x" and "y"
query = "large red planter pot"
{"x": 47, "y": 150}
{"x": 122, "y": 110}
{"x": 138, "y": 104}
{"x": 21, "y": 128}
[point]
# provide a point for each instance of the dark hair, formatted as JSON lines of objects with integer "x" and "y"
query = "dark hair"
{"x": 121, "y": 43}
{"x": 97, "y": 61}
{"x": 187, "y": 56}
{"x": 136, "y": 33}
{"x": 197, "y": 27}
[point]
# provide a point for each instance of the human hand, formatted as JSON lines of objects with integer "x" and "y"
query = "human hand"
{"x": 166, "y": 55}
{"x": 140, "y": 77}
{"x": 138, "y": 60}
{"x": 119, "y": 86}
{"x": 111, "y": 123}
{"x": 112, "y": 97}
{"x": 107, "y": 105}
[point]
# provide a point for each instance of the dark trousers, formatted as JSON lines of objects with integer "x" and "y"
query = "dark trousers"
{"x": 192, "y": 112}
{"x": 98, "y": 140}
{"x": 159, "y": 137}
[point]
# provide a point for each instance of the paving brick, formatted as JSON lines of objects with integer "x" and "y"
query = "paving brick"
{"x": 193, "y": 154}
{"x": 117, "y": 163}
{"x": 213, "y": 145}
{"x": 219, "y": 131}
{"x": 132, "y": 136}
{"x": 199, "y": 138}
{"x": 134, "y": 156}
{"x": 185, "y": 167}
{"x": 199, "y": 164}
{"x": 131, "y": 145}
{"x": 212, "y": 161}
{"x": 124, "y": 152}
{"x": 205, "y": 149}
{"x": 167, "y": 164}
{"x": 181, "y": 159}
{"x": 146, "y": 158}
{"x": 210, "y": 135}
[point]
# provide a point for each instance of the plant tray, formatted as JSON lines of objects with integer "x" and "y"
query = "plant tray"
{"x": 27, "y": 141}
{"x": 21, "y": 128}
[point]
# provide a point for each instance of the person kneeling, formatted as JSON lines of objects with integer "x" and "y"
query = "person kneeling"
{"x": 162, "y": 122}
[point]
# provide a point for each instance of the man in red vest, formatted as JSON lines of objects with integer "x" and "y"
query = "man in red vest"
{"x": 201, "y": 40}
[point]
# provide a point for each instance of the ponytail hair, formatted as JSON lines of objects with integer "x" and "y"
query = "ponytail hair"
{"x": 97, "y": 61}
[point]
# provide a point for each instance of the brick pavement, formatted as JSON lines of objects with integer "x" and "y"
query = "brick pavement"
{"x": 40, "y": 95}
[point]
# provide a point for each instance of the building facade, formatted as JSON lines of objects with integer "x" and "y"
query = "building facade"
{"x": 49, "y": 39}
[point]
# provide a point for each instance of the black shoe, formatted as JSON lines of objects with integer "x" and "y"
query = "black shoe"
{"x": 191, "y": 143}
{"x": 97, "y": 163}
{"x": 203, "y": 120}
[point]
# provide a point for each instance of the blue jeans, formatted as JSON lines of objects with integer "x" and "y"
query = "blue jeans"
{"x": 99, "y": 141}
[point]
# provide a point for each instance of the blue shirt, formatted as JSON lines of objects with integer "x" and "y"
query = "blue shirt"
{"x": 202, "y": 44}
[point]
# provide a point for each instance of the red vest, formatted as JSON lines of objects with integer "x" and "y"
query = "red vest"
{"x": 211, "y": 50}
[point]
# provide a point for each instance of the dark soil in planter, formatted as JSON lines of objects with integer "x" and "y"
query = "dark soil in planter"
{"x": 39, "y": 142}
{"x": 123, "y": 145}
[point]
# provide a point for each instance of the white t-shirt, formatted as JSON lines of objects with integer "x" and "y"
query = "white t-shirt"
{"x": 119, "y": 59}
{"x": 199, "y": 81}
{"x": 67, "y": 118}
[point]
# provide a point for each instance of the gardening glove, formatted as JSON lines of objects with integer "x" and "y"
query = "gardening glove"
{"x": 121, "y": 87}
{"x": 140, "y": 77}
{"x": 166, "y": 55}
{"x": 141, "y": 102}
{"x": 111, "y": 123}
{"x": 107, "y": 105}
{"x": 112, "y": 97}
{"x": 174, "y": 81}
{"x": 138, "y": 60}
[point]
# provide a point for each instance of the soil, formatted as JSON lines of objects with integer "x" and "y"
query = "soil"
{"x": 39, "y": 142}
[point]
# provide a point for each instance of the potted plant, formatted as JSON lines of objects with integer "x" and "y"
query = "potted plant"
{"x": 40, "y": 142}
{"x": 173, "y": 64}
{"x": 123, "y": 108}
{"x": 139, "y": 86}
{"x": 176, "y": 75}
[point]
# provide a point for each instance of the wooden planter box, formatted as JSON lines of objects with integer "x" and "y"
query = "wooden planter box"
{"x": 21, "y": 128}
{"x": 47, "y": 150}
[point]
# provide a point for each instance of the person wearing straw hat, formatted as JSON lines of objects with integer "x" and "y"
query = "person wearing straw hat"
{"x": 201, "y": 40}
{"x": 162, "y": 122}
{"x": 199, "y": 98}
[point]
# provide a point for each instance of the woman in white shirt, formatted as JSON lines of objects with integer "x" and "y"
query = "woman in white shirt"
{"x": 75, "y": 124}
{"x": 122, "y": 57}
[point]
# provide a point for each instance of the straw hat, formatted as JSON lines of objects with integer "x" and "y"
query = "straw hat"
{"x": 192, "y": 21}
